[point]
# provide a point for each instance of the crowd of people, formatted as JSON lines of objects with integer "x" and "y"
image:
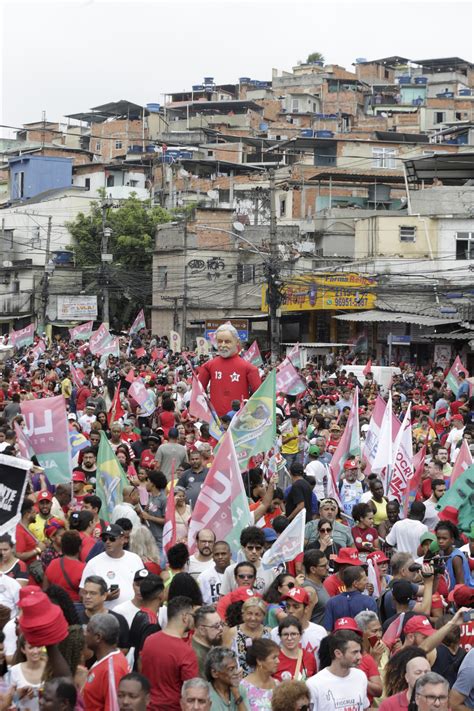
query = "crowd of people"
{"x": 98, "y": 613}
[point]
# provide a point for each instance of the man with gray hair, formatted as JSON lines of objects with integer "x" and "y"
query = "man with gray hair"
{"x": 102, "y": 633}
{"x": 230, "y": 376}
{"x": 432, "y": 692}
{"x": 223, "y": 674}
{"x": 195, "y": 695}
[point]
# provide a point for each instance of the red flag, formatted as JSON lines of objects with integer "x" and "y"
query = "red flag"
{"x": 368, "y": 367}
{"x": 169, "y": 529}
{"x": 198, "y": 405}
{"x": 116, "y": 410}
{"x": 414, "y": 483}
{"x": 156, "y": 354}
{"x": 130, "y": 377}
{"x": 463, "y": 462}
{"x": 77, "y": 376}
{"x": 393, "y": 631}
{"x": 140, "y": 352}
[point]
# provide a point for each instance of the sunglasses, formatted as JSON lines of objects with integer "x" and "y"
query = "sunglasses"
{"x": 112, "y": 539}
{"x": 245, "y": 576}
{"x": 251, "y": 547}
{"x": 325, "y": 530}
{"x": 289, "y": 585}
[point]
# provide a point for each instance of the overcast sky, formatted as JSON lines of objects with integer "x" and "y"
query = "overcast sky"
{"x": 68, "y": 56}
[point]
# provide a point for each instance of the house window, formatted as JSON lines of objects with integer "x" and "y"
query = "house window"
{"x": 87, "y": 183}
{"x": 118, "y": 145}
{"x": 133, "y": 183}
{"x": 97, "y": 145}
{"x": 295, "y": 105}
{"x": 439, "y": 116}
{"x": 110, "y": 181}
{"x": 19, "y": 184}
{"x": 162, "y": 277}
{"x": 384, "y": 158}
{"x": 407, "y": 233}
{"x": 282, "y": 207}
{"x": 464, "y": 245}
{"x": 245, "y": 273}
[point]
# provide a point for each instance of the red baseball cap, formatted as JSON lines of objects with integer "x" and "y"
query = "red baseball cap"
{"x": 457, "y": 418}
{"x": 351, "y": 464}
{"x": 347, "y": 556}
{"x": 45, "y": 496}
{"x": 449, "y": 513}
{"x": 242, "y": 594}
{"x": 421, "y": 624}
{"x": 347, "y": 623}
{"x": 462, "y": 595}
{"x": 378, "y": 557}
{"x": 78, "y": 476}
{"x": 298, "y": 595}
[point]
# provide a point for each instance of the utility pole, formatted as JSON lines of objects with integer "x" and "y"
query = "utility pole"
{"x": 48, "y": 270}
{"x": 185, "y": 285}
{"x": 272, "y": 275}
{"x": 105, "y": 258}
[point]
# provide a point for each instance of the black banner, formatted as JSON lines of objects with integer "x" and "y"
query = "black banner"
{"x": 13, "y": 477}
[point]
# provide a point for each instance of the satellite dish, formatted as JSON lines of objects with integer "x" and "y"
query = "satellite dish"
{"x": 213, "y": 194}
{"x": 7, "y": 264}
{"x": 238, "y": 226}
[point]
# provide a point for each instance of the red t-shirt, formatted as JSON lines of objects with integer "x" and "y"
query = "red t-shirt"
{"x": 287, "y": 667}
{"x": 395, "y": 702}
{"x": 370, "y": 668}
{"x": 167, "y": 662}
{"x": 82, "y": 394}
{"x": 25, "y": 541}
{"x": 364, "y": 535}
{"x": 96, "y": 689}
{"x": 231, "y": 379}
{"x": 73, "y": 569}
{"x": 334, "y": 585}
{"x": 88, "y": 542}
{"x": 147, "y": 459}
{"x": 467, "y": 636}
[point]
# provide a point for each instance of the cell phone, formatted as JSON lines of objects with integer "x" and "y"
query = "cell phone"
{"x": 113, "y": 588}
{"x": 468, "y": 616}
{"x": 373, "y": 639}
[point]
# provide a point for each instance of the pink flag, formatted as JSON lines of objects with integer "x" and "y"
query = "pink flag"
{"x": 414, "y": 483}
{"x": 47, "y": 428}
{"x": 157, "y": 353}
{"x": 140, "y": 352}
{"x": 23, "y": 337}
{"x": 77, "y": 376}
{"x": 99, "y": 339}
{"x": 39, "y": 349}
{"x": 373, "y": 575}
{"x": 253, "y": 355}
{"x": 368, "y": 367}
{"x": 82, "y": 332}
{"x": 130, "y": 377}
{"x": 198, "y": 404}
{"x": 452, "y": 378}
{"x": 288, "y": 380}
{"x": 463, "y": 462}
{"x": 402, "y": 470}
{"x": 393, "y": 631}
{"x": 23, "y": 442}
{"x": 349, "y": 444}
{"x": 169, "y": 529}
{"x": 139, "y": 323}
{"x": 222, "y": 504}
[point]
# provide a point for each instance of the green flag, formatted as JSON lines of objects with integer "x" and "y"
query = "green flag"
{"x": 253, "y": 429}
{"x": 111, "y": 478}
{"x": 461, "y": 498}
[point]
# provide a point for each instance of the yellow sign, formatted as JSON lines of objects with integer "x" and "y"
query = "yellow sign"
{"x": 326, "y": 292}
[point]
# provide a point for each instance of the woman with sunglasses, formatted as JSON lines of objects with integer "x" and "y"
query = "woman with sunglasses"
{"x": 292, "y": 696}
{"x": 341, "y": 534}
{"x": 253, "y": 614}
{"x": 325, "y": 541}
{"x": 282, "y": 584}
{"x": 294, "y": 662}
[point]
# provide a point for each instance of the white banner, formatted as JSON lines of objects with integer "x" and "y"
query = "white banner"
{"x": 77, "y": 308}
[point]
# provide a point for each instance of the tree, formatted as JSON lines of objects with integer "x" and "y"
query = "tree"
{"x": 131, "y": 243}
{"x": 315, "y": 57}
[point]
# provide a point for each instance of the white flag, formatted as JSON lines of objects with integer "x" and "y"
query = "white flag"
{"x": 384, "y": 455}
{"x": 288, "y": 545}
{"x": 175, "y": 342}
{"x": 402, "y": 469}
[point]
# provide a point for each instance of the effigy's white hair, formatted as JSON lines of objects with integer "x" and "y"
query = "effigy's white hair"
{"x": 228, "y": 327}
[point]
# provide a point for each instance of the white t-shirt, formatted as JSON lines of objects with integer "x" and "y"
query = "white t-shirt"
{"x": 210, "y": 582}
{"x": 128, "y": 610}
{"x": 310, "y": 639}
{"x": 431, "y": 514}
{"x": 405, "y": 535}
{"x": 263, "y": 580}
{"x": 10, "y": 637}
{"x": 196, "y": 567}
{"x": 86, "y": 422}
{"x": 115, "y": 571}
{"x": 335, "y": 693}
{"x": 125, "y": 510}
{"x": 452, "y": 439}
{"x": 320, "y": 473}
{"x": 9, "y": 593}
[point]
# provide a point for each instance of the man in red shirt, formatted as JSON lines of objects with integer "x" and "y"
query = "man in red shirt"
{"x": 28, "y": 547}
{"x": 102, "y": 633}
{"x": 230, "y": 376}
{"x": 81, "y": 398}
{"x": 167, "y": 659}
{"x": 345, "y": 558}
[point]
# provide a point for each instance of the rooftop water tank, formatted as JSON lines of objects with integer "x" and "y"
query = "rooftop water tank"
{"x": 154, "y": 108}
{"x": 63, "y": 258}
{"x": 244, "y": 80}
{"x": 208, "y": 80}
{"x": 360, "y": 60}
{"x": 404, "y": 79}
{"x": 197, "y": 87}
{"x": 307, "y": 133}
{"x": 150, "y": 148}
{"x": 263, "y": 127}
{"x": 421, "y": 80}
{"x": 324, "y": 134}
{"x": 464, "y": 92}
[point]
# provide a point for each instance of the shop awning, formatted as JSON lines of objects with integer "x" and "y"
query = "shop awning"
{"x": 375, "y": 316}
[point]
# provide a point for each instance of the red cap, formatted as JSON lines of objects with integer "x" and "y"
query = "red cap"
{"x": 449, "y": 513}
{"x": 347, "y": 623}
{"x": 40, "y": 622}
{"x": 378, "y": 557}
{"x": 441, "y": 411}
{"x": 457, "y": 418}
{"x": 298, "y": 595}
{"x": 462, "y": 595}
{"x": 347, "y": 556}
{"x": 78, "y": 476}
{"x": 419, "y": 623}
{"x": 242, "y": 594}
{"x": 350, "y": 464}
{"x": 45, "y": 496}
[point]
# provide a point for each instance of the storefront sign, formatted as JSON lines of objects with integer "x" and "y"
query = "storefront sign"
{"x": 77, "y": 308}
{"x": 326, "y": 292}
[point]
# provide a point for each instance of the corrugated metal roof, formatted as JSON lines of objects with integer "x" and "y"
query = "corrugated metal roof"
{"x": 452, "y": 336}
{"x": 376, "y": 316}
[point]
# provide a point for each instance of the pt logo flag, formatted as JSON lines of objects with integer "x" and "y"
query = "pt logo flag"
{"x": 253, "y": 355}
{"x": 99, "y": 339}
{"x": 82, "y": 332}
{"x": 175, "y": 341}
{"x": 288, "y": 545}
{"x": 143, "y": 396}
{"x": 138, "y": 324}
{"x": 452, "y": 379}
{"x": 402, "y": 470}
{"x": 287, "y": 379}
{"x": 47, "y": 429}
{"x": 24, "y": 337}
{"x": 460, "y": 496}
{"x": 222, "y": 503}
{"x": 13, "y": 477}
{"x": 202, "y": 346}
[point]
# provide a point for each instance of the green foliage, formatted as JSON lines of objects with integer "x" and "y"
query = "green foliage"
{"x": 315, "y": 57}
{"x": 133, "y": 226}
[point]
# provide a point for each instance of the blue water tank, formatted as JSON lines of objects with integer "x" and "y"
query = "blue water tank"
{"x": 360, "y": 60}
{"x": 324, "y": 134}
{"x": 244, "y": 80}
{"x": 198, "y": 87}
{"x": 464, "y": 92}
{"x": 150, "y": 148}
{"x": 263, "y": 126}
{"x": 307, "y": 133}
{"x": 63, "y": 258}
{"x": 405, "y": 79}
{"x": 136, "y": 149}
{"x": 154, "y": 108}
{"x": 421, "y": 80}
{"x": 208, "y": 80}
